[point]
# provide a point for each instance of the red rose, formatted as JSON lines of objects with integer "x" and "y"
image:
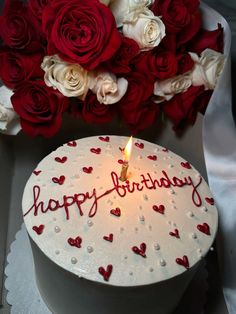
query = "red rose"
{"x": 16, "y": 68}
{"x": 182, "y": 109}
{"x": 17, "y": 28}
{"x": 207, "y": 39}
{"x": 120, "y": 62}
{"x": 40, "y": 108}
{"x": 37, "y": 7}
{"x": 94, "y": 112}
{"x": 181, "y": 17}
{"x": 81, "y": 31}
{"x": 135, "y": 108}
{"x": 161, "y": 65}
{"x": 185, "y": 63}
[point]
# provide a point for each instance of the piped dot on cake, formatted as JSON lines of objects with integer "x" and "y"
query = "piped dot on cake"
{"x": 193, "y": 235}
{"x": 125, "y": 257}
{"x": 170, "y": 166}
{"x": 141, "y": 218}
{"x": 145, "y": 197}
{"x": 150, "y": 227}
{"x": 90, "y": 223}
{"x": 89, "y": 249}
{"x": 151, "y": 269}
{"x": 190, "y": 214}
{"x": 162, "y": 262}
{"x": 136, "y": 229}
{"x": 171, "y": 192}
{"x": 156, "y": 246}
{"x": 57, "y": 252}
{"x": 74, "y": 260}
{"x": 131, "y": 273}
{"x": 122, "y": 229}
{"x": 57, "y": 229}
{"x": 204, "y": 208}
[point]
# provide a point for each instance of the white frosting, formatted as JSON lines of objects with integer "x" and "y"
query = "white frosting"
{"x": 138, "y": 222}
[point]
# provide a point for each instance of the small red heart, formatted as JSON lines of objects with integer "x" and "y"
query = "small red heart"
{"x": 87, "y": 169}
{"x": 116, "y": 212}
{"x": 175, "y": 233}
{"x": 186, "y": 165}
{"x": 141, "y": 250}
{"x": 75, "y": 242}
{"x": 72, "y": 144}
{"x": 210, "y": 200}
{"x": 139, "y": 145}
{"x": 106, "y": 273}
{"x": 39, "y": 229}
{"x": 95, "y": 150}
{"x": 121, "y": 149}
{"x": 160, "y": 209}
{"x": 120, "y": 161}
{"x": 37, "y": 172}
{"x": 152, "y": 157}
{"x": 165, "y": 150}
{"x": 61, "y": 159}
{"x": 59, "y": 180}
{"x": 183, "y": 261}
{"x": 204, "y": 228}
{"x": 109, "y": 238}
{"x": 104, "y": 138}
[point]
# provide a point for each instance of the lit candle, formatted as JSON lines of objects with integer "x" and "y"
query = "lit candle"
{"x": 125, "y": 165}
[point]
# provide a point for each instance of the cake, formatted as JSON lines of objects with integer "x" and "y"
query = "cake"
{"x": 102, "y": 245}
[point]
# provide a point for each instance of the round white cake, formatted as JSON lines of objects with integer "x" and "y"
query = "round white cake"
{"x": 102, "y": 245}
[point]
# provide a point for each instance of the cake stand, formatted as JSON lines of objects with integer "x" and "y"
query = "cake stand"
{"x": 24, "y": 297}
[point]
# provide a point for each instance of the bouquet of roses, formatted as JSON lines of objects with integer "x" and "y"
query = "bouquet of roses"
{"x": 138, "y": 59}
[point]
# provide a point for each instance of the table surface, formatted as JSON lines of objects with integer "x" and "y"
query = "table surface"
{"x": 11, "y": 218}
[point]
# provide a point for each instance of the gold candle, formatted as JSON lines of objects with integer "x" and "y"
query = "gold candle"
{"x": 125, "y": 165}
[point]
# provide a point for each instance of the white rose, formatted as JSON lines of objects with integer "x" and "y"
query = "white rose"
{"x": 122, "y": 8}
{"x": 9, "y": 120}
{"x": 70, "y": 79}
{"x": 166, "y": 89}
{"x": 207, "y": 68}
{"x": 146, "y": 29}
{"x": 108, "y": 88}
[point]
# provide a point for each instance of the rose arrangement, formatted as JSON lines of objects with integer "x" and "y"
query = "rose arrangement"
{"x": 138, "y": 59}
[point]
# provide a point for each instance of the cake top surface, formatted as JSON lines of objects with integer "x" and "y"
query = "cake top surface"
{"x": 154, "y": 226}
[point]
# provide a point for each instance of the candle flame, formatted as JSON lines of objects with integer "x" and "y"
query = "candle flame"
{"x": 127, "y": 150}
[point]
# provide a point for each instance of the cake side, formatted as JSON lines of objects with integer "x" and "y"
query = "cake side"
{"x": 149, "y": 229}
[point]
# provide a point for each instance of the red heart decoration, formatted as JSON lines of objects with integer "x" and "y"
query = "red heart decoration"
{"x": 152, "y": 157}
{"x": 59, "y": 180}
{"x": 186, "y": 165}
{"x": 116, "y": 212}
{"x": 109, "y": 238}
{"x": 175, "y": 233}
{"x": 160, "y": 209}
{"x": 165, "y": 150}
{"x": 75, "y": 242}
{"x": 95, "y": 150}
{"x": 183, "y": 261}
{"x": 39, "y": 229}
{"x": 104, "y": 138}
{"x": 204, "y": 228}
{"x": 37, "y": 172}
{"x": 139, "y": 145}
{"x": 72, "y": 144}
{"x": 106, "y": 273}
{"x": 210, "y": 200}
{"x": 141, "y": 250}
{"x": 61, "y": 159}
{"x": 87, "y": 169}
{"x": 121, "y": 149}
{"x": 120, "y": 161}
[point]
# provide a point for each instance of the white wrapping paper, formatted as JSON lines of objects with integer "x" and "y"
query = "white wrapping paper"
{"x": 219, "y": 144}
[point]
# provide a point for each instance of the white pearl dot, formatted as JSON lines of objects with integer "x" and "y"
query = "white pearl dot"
{"x": 145, "y": 197}
{"x": 141, "y": 218}
{"x": 162, "y": 262}
{"x": 151, "y": 269}
{"x": 57, "y": 252}
{"x": 57, "y": 229}
{"x": 156, "y": 246}
{"x": 90, "y": 223}
{"x": 131, "y": 273}
{"x": 194, "y": 236}
{"x": 204, "y": 209}
{"x": 74, "y": 260}
{"x": 89, "y": 249}
{"x": 190, "y": 214}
